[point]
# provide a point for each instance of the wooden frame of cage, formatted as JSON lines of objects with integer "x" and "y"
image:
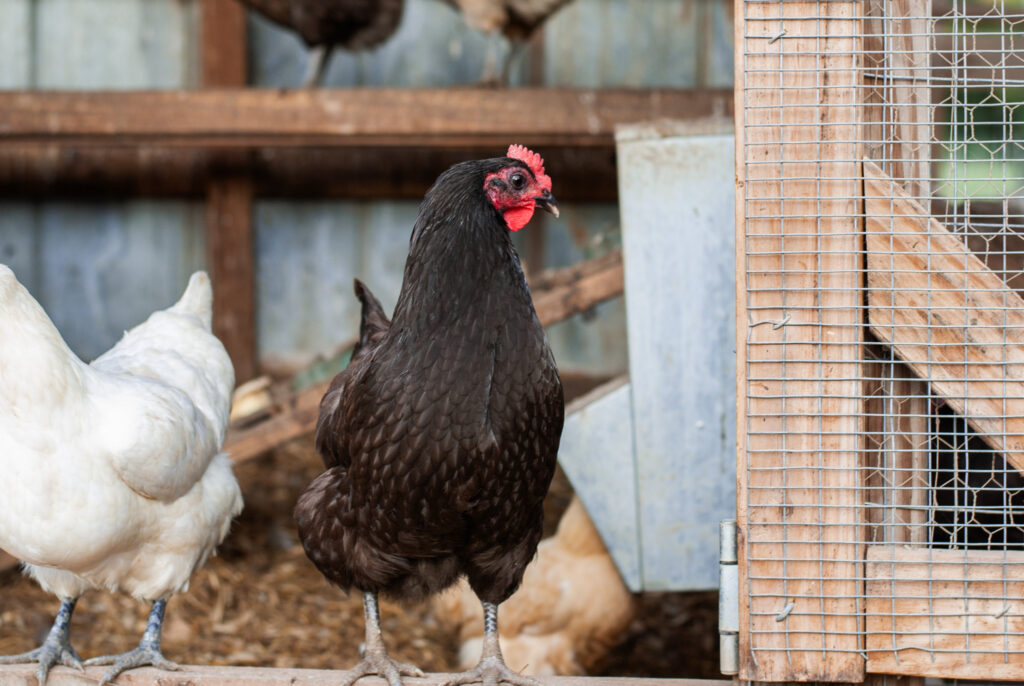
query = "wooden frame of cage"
{"x": 799, "y": 411}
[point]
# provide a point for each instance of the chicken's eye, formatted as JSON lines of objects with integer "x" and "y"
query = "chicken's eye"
{"x": 518, "y": 180}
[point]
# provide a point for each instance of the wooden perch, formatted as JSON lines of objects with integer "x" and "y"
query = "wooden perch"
{"x": 558, "y": 295}
{"x": 946, "y": 314}
{"x": 257, "y": 117}
{"x": 196, "y": 675}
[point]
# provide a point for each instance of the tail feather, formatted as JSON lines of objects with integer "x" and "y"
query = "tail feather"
{"x": 374, "y": 323}
{"x": 36, "y": 366}
{"x": 197, "y": 299}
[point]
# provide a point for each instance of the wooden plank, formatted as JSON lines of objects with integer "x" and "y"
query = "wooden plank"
{"x": 229, "y": 228}
{"x": 223, "y": 43}
{"x": 676, "y": 201}
{"x": 471, "y": 117}
{"x": 570, "y": 290}
{"x": 562, "y": 293}
{"x": 196, "y": 675}
{"x": 800, "y": 262}
{"x": 896, "y": 428}
{"x": 229, "y": 240}
{"x": 898, "y": 133}
{"x": 946, "y": 314}
{"x": 953, "y": 614}
{"x": 41, "y": 171}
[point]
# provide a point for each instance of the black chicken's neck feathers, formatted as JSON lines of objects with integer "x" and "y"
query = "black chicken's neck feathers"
{"x": 460, "y": 253}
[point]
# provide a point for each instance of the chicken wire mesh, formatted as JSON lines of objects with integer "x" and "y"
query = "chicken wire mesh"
{"x": 881, "y": 160}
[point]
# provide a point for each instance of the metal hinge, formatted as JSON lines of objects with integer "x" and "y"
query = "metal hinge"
{"x": 728, "y": 599}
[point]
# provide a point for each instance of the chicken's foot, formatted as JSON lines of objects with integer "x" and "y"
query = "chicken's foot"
{"x": 491, "y": 670}
{"x": 56, "y": 649}
{"x": 375, "y": 656}
{"x": 148, "y": 652}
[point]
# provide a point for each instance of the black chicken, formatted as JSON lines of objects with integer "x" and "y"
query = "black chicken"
{"x": 324, "y": 24}
{"x": 440, "y": 437}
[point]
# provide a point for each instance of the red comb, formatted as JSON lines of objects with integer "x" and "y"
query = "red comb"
{"x": 534, "y": 161}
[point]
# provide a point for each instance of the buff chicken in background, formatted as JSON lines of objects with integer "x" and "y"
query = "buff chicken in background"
{"x": 571, "y": 610}
{"x": 115, "y": 471}
{"x": 440, "y": 437}
{"x": 517, "y": 20}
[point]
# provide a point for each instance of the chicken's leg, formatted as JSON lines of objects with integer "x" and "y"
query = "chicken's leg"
{"x": 491, "y": 669}
{"x": 375, "y": 656}
{"x": 148, "y": 652}
{"x": 316, "y": 67}
{"x": 55, "y": 649}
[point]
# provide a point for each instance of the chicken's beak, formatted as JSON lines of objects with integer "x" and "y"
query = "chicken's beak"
{"x": 547, "y": 202}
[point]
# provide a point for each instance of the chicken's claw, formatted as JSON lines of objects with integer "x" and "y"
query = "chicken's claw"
{"x": 379, "y": 663}
{"x": 139, "y": 657}
{"x": 490, "y": 672}
{"x": 56, "y": 649}
{"x": 47, "y": 655}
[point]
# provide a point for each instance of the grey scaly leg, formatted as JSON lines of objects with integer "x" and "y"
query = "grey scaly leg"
{"x": 148, "y": 652}
{"x": 56, "y": 649}
{"x": 375, "y": 656}
{"x": 491, "y": 669}
{"x": 316, "y": 67}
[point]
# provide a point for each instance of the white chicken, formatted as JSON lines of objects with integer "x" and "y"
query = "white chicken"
{"x": 114, "y": 470}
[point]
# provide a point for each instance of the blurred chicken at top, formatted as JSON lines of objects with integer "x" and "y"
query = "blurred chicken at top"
{"x": 326, "y": 24}
{"x": 517, "y": 20}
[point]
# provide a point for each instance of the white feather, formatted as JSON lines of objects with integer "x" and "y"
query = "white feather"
{"x": 114, "y": 471}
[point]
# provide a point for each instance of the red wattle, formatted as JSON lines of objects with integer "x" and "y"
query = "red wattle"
{"x": 518, "y": 217}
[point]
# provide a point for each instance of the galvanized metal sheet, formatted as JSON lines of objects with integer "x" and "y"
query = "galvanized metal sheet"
{"x": 15, "y": 43}
{"x": 101, "y": 268}
{"x": 596, "y": 454}
{"x": 676, "y": 197}
{"x": 307, "y": 255}
{"x": 93, "y": 44}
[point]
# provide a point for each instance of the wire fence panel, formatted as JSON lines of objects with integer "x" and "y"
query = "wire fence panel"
{"x": 880, "y": 157}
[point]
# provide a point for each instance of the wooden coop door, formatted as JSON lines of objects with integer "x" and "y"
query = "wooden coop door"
{"x": 880, "y": 267}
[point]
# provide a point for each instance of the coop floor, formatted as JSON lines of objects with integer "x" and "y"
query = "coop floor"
{"x": 260, "y": 602}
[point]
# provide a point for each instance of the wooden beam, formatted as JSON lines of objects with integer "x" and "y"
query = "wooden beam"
{"x": 564, "y": 292}
{"x": 946, "y": 314}
{"x": 230, "y": 253}
{"x": 898, "y": 132}
{"x": 230, "y": 250}
{"x": 896, "y": 428}
{"x": 245, "y": 118}
{"x": 41, "y": 171}
{"x": 195, "y": 675}
{"x": 799, "y": 341}
{"x": 561, "y": 294}
{"x": 953, "y": 614}
{"x": 224, "y": 60}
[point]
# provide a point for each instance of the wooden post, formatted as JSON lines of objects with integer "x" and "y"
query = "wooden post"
{"x": 229, "y": 198}
{"x": 897, "y": 135}
{"x": 799, "y": 341}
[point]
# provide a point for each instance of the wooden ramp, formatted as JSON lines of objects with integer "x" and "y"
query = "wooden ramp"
{"x": 945, "y": 313}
